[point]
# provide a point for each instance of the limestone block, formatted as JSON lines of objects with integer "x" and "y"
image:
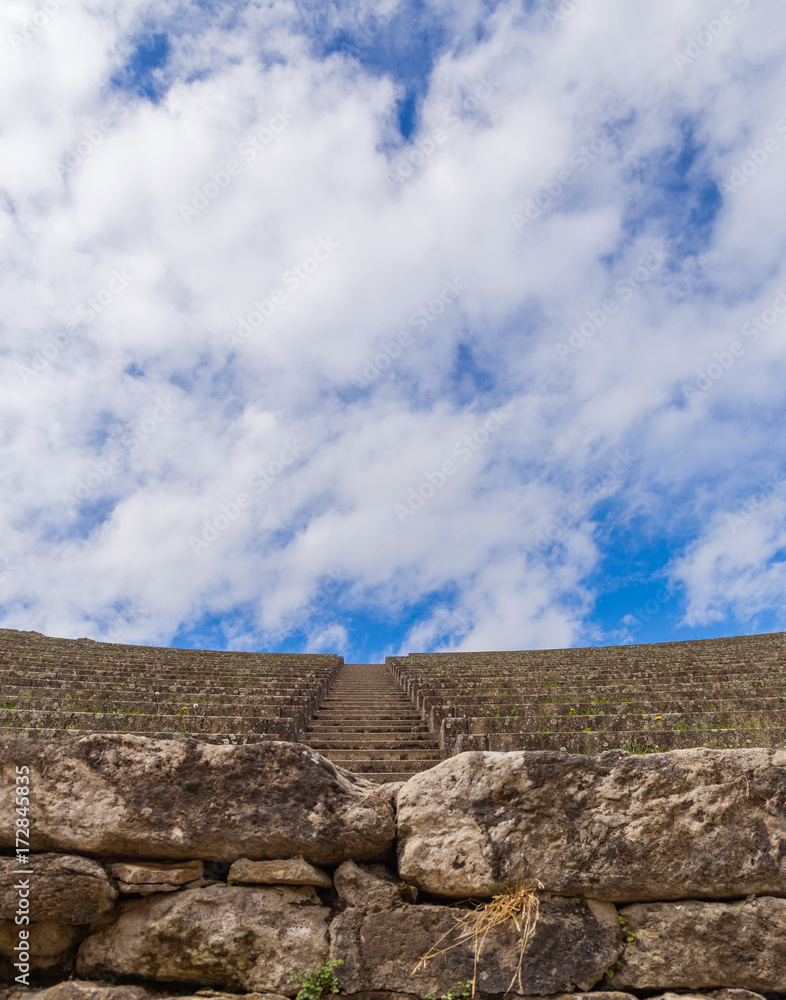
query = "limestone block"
{"x": 149, "y": 877}
{"x": 714, "y": 995}
{"x": 572, "y": 946}
{"x": 63, "y": 888}
{"x": 75, "y": 989}
{"x": 52, "y": 945}
{"x": 170, "y": 799}
{"x": 695, "y": 945}
{"x": 620, "y": 827}
{"x": 369, "y": 887}
{"x": 294, "y": 871}
{"x": 224, "y": 936}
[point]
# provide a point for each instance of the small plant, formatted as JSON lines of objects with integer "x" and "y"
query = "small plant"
{"x": 314, "y": 985}
{"x": 627, "y": 936}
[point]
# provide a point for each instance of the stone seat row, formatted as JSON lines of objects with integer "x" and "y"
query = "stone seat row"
{"x": 520, "y": 703}
{"x": 70, "y": 722}
{"x": 633, "y": 741}
{"x": 477, "y": 678}
{"x": 68, "y": 668}
{"x": 667, "y": 701}
{"x": 147, "y": 686}
{"x": 656, "y": 705}
{"x": 539, "y": 677}
{"x": 623, "y": 723}
{"x": 130, "y": 706}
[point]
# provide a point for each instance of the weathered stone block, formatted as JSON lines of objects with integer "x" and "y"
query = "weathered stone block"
{"x": 149, "y": 877}
{"x": 293, "y": 871}
{"x": 230, "y": 937}
{"x": 52, "y": 946}
{"x": 63, "y": 888}
{"x": 142, "y": 798}
{"x": 75, "y": 989}
{"x": 370, "y": 887}
{"x": 622, "y": 827}
{"x": 694, "y": 945}
{"x": 572, "y": 946}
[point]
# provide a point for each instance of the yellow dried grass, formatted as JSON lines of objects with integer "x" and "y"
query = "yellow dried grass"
{"x": 517, "y": 905}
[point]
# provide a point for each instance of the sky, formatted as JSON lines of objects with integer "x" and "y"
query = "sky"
{"x": 392, "y": 327}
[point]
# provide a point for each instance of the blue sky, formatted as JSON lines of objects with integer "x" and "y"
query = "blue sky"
{"x": 392, "y": 327}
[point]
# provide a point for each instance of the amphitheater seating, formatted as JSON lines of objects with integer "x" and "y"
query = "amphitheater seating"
{"x": 51, "y": 688}
{"x": 716, "y": 693}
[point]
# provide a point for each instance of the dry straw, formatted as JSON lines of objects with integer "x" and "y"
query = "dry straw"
{"x": 517, "y": 905}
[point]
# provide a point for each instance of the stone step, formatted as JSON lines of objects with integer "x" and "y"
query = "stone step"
{"x": 372, "y": 742}
{"x": 380, "y": 766}
{"x": 375, "y": 753}
{"x": 368, "y": 726}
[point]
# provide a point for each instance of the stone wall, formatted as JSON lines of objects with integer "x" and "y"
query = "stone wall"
{"x": 160, "y": 868}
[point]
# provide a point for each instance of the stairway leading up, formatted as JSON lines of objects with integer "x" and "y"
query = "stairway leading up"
{"x": 369, "y": 726}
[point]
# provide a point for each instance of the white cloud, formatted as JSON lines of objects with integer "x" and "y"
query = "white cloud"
{"x": 119, "y": 563}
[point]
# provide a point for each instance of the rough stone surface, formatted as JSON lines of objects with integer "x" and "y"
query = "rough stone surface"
{"x": 141, "y": 798}
{"x": 693, "y": 945}
{"x": 150, "y": 872}
{"x": 294, "y": 871}
{"x": 735, "y": 995}
{"x": 622, "y": 827}
{"x": 229, "y": 937}
{"x": 76, "y": 989}
{"x": 370, "y": 887}
{"x": 52, "y": 945}
{"x": 715, "y": 995}
{"x": 573, "y": 945}
{"x": 63, "y": 888}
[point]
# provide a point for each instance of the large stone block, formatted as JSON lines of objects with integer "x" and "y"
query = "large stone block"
{"x": 62, "y": 888}
{"x": 371, "y": 887}
{"x": 144, "y": 798}
{"x": 620, "y": 827}
{"x": 229, "y": 937}
{"x": 693, "y": 945}
{"x": 292, "y": 871}
{"x": 52, "y": 946}
{"x": 74, "y": 989}
{"x": 573, "y": 945}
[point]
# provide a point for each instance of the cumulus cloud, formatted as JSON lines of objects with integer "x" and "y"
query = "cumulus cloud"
{"x": 271, "y": 271}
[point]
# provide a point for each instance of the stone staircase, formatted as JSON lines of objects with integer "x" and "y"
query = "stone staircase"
{"x": 368, "y": 726}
